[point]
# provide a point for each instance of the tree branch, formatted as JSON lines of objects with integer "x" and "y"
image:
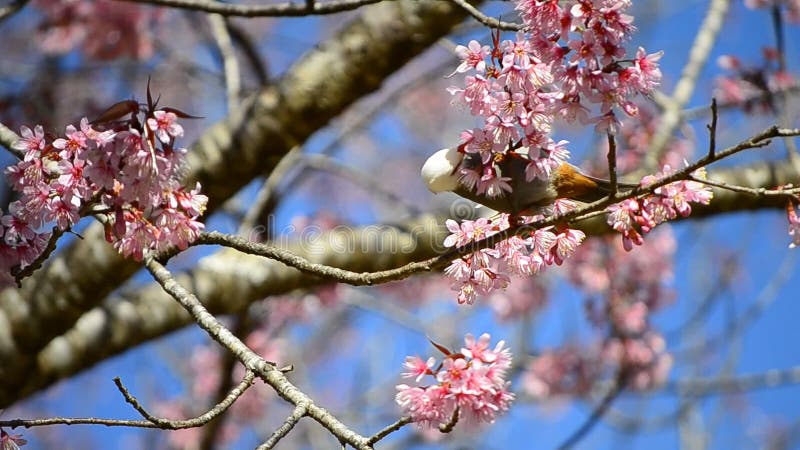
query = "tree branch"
{"x": 298, "y": 413}
{"x": 698, "y": 55}
{"x": 486, "y": 20}
{"x": 129, "y": 321}
{"x": 343, "y": 69}
{"x": 290, "y": 9}
{"x": 151, "y": 420}
{"x": 7, "y": 140}
{"x": 252, "y": 361}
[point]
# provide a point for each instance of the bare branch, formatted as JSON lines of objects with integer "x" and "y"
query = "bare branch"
{"x": 369, "y": 278}
{"x": 288, "y": 9}
{"x": 211, "y": 414}
{"x": 448, "y": 427}
{"x": 252, "y": 361}
{"x": 597, "y": 414}
{"x": 702, "y": 386}
{"x": 230, "y": 66}
{"x": 7, "y": 140}
{"x": 127, "y": 322}
{"x": 373, "y": 186}
{"x": 306, "y": 266}
{"x": 701, "y": 111}
{"x": 403, "y": 421}
{"x": 298, "y": 413}
{"x": 271, "y": 122}
{"x": 698, "y": 55}
{"x": 712, "y": 129}
{"x": 612, "y": 164}
{"x": 760, "y": 192}
{"x": 150, "y": 422}
{"x": 486, "y": 20}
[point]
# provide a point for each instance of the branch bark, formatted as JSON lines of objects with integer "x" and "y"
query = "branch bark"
{"x": 125, "y": 322}
{"x": 232, "y": 152}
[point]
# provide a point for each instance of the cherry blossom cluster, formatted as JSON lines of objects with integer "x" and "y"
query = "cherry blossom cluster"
{"x": 792, "y": 6}
{"x": 635, "y": 217}
{"x": 103, "y": 29}
{"x": 489, "y": 269}
{"x": 622, "y": 290}
{"x": 573, "y": 371}
{"x": 572, "y": 56}
{"x": 470, "y": 384}
{"x": 125, "y": 172}
{"x": 751, "y": 86}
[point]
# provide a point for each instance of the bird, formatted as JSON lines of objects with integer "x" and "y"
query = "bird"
{"x": 441, "y": 174}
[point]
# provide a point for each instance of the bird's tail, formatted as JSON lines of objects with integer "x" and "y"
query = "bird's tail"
{"x": 571, "y": 183}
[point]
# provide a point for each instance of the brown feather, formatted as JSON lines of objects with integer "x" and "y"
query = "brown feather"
{"x": 569, "y": 183}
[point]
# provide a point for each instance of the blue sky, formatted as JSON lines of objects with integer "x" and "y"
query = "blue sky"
{"x": 759, "y": 239}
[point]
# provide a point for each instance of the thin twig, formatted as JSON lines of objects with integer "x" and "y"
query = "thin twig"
{"x": 288, "y": 9}
{"x": 403, "y": 421}
{"x": 150, "y": 422}
{"x": 783, "y": 101}
{"x": 448, "y": 427}
{"x": 22, "y": 273}
{"x": 488, "y": 21}
{"x": 251, "y": 54}
{"x": 777, "y": 26}
{"x": 265, "y": 200}
{"x": 226, "y": 366}
{"x": 230, "y": 65}
{"x": 252, "y": 361}
{"x": 370, "y": 184}
{"x": 700, "y": 111}
{"x": 369, "y": 278}
{"x": 597, "y": 413}
{"x": 200, "y": 420}
{"x": 612, "y": 164}
{"x": 712, "y": 129}
{"x": 298, "y": 413}
{"x": 306, "y": 266}
{"x": 760, "y": 192}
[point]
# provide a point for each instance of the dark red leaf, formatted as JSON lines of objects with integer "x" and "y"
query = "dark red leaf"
{"x": 117, "y": 111}
{"x": 440, "y": 347}
{"x": 150, "y": 105}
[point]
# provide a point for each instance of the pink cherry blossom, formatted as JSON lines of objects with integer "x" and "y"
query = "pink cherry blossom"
{"x": 108, "y": 167}
{"x": 11, "y": 441}
{"x": 474, "y": 381}
{"x": 164, "y": 124}
{"x": 417, "y": 368}
{"x": 102, "y": 29}
{"x": 32, "y": 142}
{"x": 573, "y": 57}
{"x": 472, "y": 56}
{"x": 794, "y": 225}
{"x": 634, "y": 218}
